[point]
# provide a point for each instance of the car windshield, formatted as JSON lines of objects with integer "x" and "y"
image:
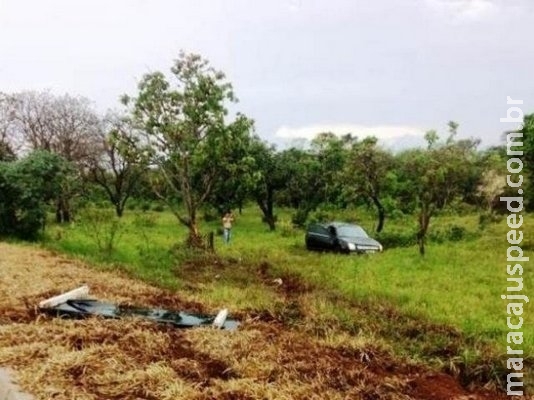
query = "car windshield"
{"x": 351, "y": 231}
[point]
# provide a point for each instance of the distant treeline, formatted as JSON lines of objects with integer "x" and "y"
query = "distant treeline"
{"x": 175, "y": 142}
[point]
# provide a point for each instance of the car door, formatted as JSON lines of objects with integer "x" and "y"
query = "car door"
{"x": 319, "y": 237}
{"x": 332, "y": 237}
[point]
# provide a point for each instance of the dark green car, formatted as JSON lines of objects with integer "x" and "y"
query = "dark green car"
{"x": 340, "y": 237}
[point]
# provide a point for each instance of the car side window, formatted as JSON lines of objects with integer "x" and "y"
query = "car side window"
{"x": 332, "y": 230}
{"x": 323, "y": 231}
{"x": 317, "y": 229}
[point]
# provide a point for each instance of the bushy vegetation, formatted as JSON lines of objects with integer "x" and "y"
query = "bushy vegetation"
{"x": 443, "y": 308}
{"x": 26, "y": 187}
{"x": 143, "y": 189}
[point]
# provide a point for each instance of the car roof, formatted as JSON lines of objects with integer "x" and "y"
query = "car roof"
{"x": 337, "y": 224}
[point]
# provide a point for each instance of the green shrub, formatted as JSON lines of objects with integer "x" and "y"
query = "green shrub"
{"x": 486, "y": 219}
{"x": 145, "y": 220}
{"x": 396, "y": 239}
{"x": 158, "y": 208}
{"x": 287, "y": 229}
{"x": 26, "y": 186}
{"x": 452, "y": 233}
{"x": 391, "y": 206}
{"x": 153, "y": 257}
{"x": 321, "y": 215}
{"x": 459, "y": 207}
{"x": 456, "y": 233}
{"x": 300, "y": 217}
{"x": 528, "y": 245}
{"x": 103, "y": 227}
{"x": 395, "y": 214}
{"x": 437, "y": 235}
{"x": 211, "y": 214}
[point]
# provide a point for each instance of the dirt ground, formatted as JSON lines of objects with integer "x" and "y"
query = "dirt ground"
{"x": 132, "y": 359}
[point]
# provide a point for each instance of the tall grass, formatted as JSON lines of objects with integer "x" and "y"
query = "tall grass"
{"x": 457, "y": 283}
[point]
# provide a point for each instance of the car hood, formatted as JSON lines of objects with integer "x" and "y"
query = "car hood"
{"x": 365, "y": 241}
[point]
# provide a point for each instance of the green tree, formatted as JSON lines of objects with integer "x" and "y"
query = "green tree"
{"x": 66, "y": 125}
{"x": 492, "y": 185}
{"x": 187, "y": 133}
{"x": 7, "y": 152}
{"x": 432, "y": 178}
{"x": 304, "y": 184}
{"x": 367, "y": 170}
{"x": 26, "y": 186}
{"x": 528, "y": 157}
{"x": 332, "y": 153}
{"x": 117, "y": 168}
{"x": 269, "y": 178}
{"x": 235, "y": 176}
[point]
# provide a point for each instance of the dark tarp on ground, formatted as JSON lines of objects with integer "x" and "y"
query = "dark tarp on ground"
{"x": 88, "y": 308}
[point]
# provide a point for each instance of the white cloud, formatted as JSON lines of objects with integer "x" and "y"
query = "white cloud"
{"x": 465, "y": 9}
{"x": 395, "y": 137}
{"x": 383, "y": 132}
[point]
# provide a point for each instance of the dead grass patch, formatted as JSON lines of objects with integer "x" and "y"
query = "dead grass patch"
{"x": 133, "y": 359}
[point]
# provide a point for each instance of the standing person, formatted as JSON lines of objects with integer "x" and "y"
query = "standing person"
{"x": 227, "y": 221}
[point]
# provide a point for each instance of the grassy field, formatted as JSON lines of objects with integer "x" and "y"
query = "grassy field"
{"x": 443, "y": 308}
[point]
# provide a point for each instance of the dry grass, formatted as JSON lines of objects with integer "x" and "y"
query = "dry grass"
{"x": 132, "y": 359}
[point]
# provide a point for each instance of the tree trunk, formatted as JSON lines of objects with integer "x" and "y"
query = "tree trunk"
{"x": 421, "y": 243}
{"x": 195, "y": 238}
{"x": 381, "y": 213}
{"x": 66, "y": 212}
{"x": 268, "y": 216}
{"x": 62, "y": 211}
{"x": 424, "y": 220}
{"x": 271, "y": 222}
{"x": 59, "y": 217}
{"x": 119, "y": 209}
{"x": 211, "y": 241}
{"x": 267, "y": 208}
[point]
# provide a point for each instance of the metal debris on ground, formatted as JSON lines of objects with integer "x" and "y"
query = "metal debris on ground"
{"x": 76, "y": 304}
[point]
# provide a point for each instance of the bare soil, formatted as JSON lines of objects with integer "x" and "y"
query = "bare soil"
{"x": 130, "y": 359}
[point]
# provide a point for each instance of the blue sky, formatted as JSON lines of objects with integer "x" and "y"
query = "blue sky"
{"x": 392, "y": 68}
